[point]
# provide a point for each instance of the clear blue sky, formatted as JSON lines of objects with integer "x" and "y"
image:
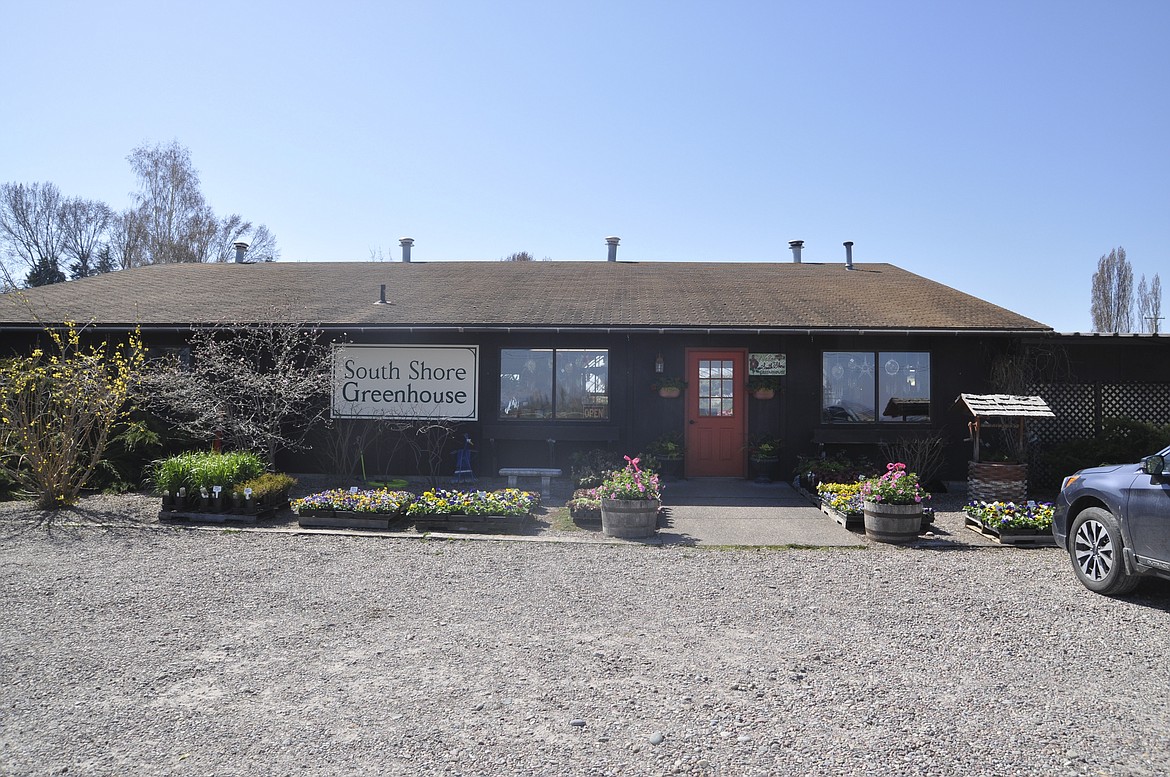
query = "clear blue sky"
{"x": 997, "y": 147}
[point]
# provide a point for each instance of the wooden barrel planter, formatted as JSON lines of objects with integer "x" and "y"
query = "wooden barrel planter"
{"x": 892, "y": 523}
{"x": 993, "y": 481}
{"x": 629, "y": 518}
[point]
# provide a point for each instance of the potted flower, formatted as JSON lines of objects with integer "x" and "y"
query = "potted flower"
{"x": 763, "y": 386}
{"x": 630, "y": 499}
{"x": 668, "y": 452}
{"x": 668, "y": 387}
{"x": 764, "y": 455}
{"x": 585, "y": 504}
{"x": 892, "y": 505}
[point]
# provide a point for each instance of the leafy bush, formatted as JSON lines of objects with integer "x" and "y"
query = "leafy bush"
{"x": 590, "y": 467}
{"x": 837, "y": 468}
{"x": 59, "y": 408}
{"x": 266, "y": 485}
{"x": 1122, "y": 441}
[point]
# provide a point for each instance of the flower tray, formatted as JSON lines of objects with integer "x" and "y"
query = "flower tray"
{"x": 428, "y": 522}
{"x": 849, "y": 521}
{"x": 1011, "y": 535}
{"x": 586, "y": 516}
{"x": 344, "y": 519}
{"x": 224, "y": 506}
{"x": 197, "y": 516}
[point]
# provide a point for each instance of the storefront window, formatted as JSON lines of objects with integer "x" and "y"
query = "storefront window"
{"x": 562, "y": 384}
{"x": 868, "y": 387}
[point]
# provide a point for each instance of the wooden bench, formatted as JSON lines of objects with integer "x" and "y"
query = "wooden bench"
{"x": 545, "y": 474}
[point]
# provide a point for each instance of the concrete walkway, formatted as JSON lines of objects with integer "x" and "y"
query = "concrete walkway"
{"x": 716, "y": 512}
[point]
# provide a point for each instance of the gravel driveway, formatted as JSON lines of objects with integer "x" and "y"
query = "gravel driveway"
{"x": 170, "y": 651}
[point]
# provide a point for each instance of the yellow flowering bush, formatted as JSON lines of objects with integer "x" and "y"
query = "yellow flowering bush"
{"x": 59, "y": 407}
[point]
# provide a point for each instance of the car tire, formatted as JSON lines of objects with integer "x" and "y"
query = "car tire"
{"x": 1095, "y": 547}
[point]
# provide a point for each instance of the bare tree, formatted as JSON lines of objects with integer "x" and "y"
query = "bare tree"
{"x": 1112, "y": 302}
{"x": 83, "y": 225}
{"x": 1149, "y": 304}
{"x": 30, "y": 230}
{"x": 127, "y": 239}
{"x": 177, "y": 224}
{"x": 256, "y": 386}
{"x": 519, "y": 256}
{"x": 261, "y": 242}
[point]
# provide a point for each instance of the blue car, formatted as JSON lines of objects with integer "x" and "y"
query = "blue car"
{"x": 1115, "y": 523}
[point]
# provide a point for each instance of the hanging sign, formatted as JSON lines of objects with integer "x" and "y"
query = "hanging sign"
{"x": 435, "y": 382}
{"x": 767, "y": 364}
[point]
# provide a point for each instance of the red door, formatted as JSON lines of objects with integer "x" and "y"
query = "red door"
{"x": 716, "y": 413}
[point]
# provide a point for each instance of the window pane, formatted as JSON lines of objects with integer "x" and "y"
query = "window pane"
{"x": 847, "y": 387}
{"x": 582, "y": 384}
{"x": 716, "y": 387}
{"x": 904, "y": 386}
{"x": 526, "y": 383}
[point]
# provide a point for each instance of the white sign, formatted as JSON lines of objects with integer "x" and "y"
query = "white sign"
{"x": 438, "y": 382}
{"x": 767, "y": 364}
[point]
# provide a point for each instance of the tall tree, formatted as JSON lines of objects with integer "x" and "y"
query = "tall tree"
{"x": 83, "y": 224}
{"x": 1112, "y": 303}
{"x": 127, "y": 239}
{"x": 1149, "y": 304}
{"x": 30, "y": 228}
{"x": 177, "y": 224}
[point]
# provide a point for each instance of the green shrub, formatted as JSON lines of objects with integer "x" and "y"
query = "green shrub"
{"x": 204, "y": 470}
{"x": 266, "y": 485}
{"x": 1122, "y": 441}
{"x": 591, "y": 467}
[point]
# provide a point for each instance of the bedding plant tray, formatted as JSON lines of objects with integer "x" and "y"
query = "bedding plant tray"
{"x": 378, "y": 509}
{"x": 442, "y": 510}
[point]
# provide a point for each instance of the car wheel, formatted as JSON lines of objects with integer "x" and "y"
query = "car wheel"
{"x": 1095, "y": 547}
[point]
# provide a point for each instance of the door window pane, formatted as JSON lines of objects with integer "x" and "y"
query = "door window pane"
{"x": 716, "y": 387}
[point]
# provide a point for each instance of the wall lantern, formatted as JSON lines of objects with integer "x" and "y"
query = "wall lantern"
{"x": 658, "y": 363}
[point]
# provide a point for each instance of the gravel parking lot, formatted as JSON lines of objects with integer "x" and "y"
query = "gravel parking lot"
{"x": 164, "y": 650}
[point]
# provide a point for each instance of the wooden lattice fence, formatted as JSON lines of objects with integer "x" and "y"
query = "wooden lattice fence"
{"x": 1081, "y": 408}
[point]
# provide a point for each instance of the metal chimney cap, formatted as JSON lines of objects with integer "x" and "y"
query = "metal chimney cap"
{"x": 796, "y": 244}
{"x": 406, "y": 241}
{"x": 612, "y": 240}
{"x": 241, "y": 244}
{"x": 848, "y": 244}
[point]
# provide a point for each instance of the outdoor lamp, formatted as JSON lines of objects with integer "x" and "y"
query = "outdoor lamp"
{"x": 658, "y": 363}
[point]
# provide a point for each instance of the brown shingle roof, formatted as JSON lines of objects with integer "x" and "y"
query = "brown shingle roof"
{"x": 520, "y": 294}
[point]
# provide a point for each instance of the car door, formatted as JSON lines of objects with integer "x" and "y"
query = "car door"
{"x": 1148, "y": 515}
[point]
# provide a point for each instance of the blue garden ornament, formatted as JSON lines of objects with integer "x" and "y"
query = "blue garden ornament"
{"x": 463, "y": 473}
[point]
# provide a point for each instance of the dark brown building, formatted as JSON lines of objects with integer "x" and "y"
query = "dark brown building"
{"x": 553, "y": 357}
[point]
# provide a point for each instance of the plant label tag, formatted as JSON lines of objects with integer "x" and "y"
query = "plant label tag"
{"x": 353, "y": 489}
{"x": 247, "y": 493}
{"x": 216, "y": 489}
